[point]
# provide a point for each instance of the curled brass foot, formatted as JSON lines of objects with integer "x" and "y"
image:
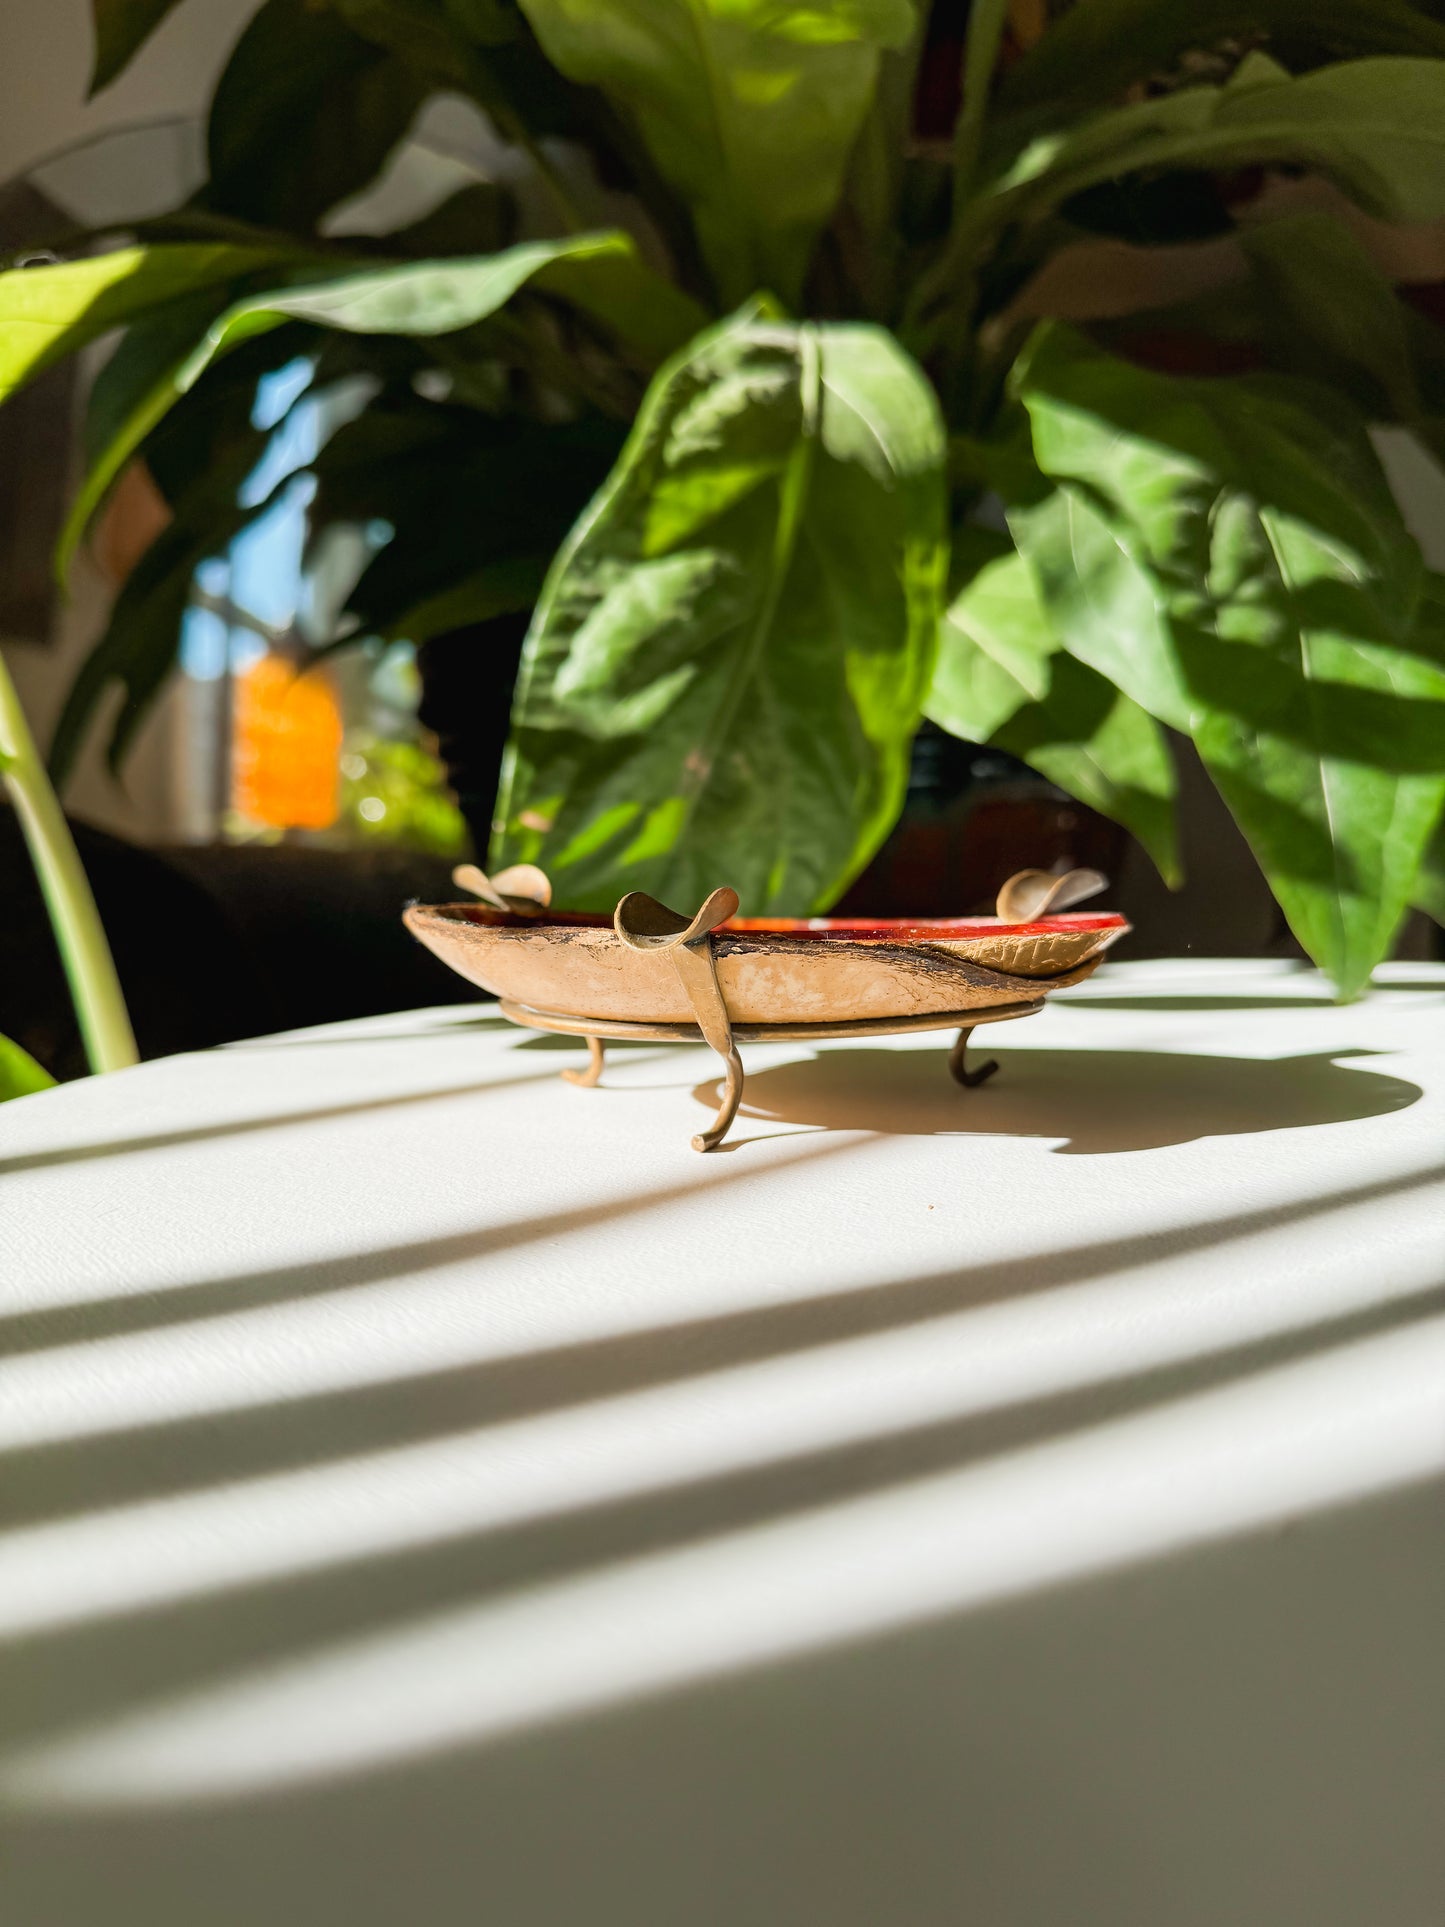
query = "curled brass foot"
{"x": 709, "y": 1139}
{"x": 958, "y": 1063}
{"x": 586, "y": 1079}
{"x": 642, "y": 923}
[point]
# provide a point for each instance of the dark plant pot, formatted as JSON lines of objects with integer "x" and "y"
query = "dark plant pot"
{"x": 972, "y": 816}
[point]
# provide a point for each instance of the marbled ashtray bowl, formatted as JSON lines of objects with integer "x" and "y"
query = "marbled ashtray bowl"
{"x": 648, "y": 972}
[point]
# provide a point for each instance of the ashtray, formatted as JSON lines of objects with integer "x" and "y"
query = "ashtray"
{"x": 717, "y": 978}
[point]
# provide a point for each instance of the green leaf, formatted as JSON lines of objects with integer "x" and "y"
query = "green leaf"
{"x": 142, "y": 363}
{"x": 1429, "y": 891}
{"x": 1329, "y": 311}
{"x": 480, "y": 219}
{"x": 200, "y": 460}
{"x": 146, "y": 351}
{"x": 304, "y": 115}
{"x": 1003, "y": 677}
{"x": 1315, "y": 306}
{"x": 20, "y": 1075}
{"x": 728, "y": 663}
{"x": 1375, "y": 127}
{"x": 122, "y": 28}
{"x": 177, "y": 446}
{"x": 486, "y": 50}
{"x": 47, "y": 313}
{"x": 995, "y": 645}
{"x": 605, "y": 278}
{"x": 477, "y": 505}
{"x": 202, "y": 454}
{"x": 749, "y": 108}
{"x": 138, "y": 648}
{"x": 983, "y": 39}
{"x": 600, "y": 274}
{"x": 1105, "y": 750}
{"x": 1100, "y": 47}
{"x": 1288, "y": 619}
{"x": 1102, "y": 600}
{"x": 487, "y": 22}
{"x": 869, "y": 226}
{"x": 1173, "y": 467}
{"x": 508, "y": 586}
{"x": 481, "y": 48}
{"x": 427, "y": 35}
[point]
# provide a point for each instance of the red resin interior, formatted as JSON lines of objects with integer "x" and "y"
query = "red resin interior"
{"x": 923, "y": 928}
{"x": 855, "y": 929}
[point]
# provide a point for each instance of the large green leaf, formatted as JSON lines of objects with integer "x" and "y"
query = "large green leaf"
{"x": 122, "y": 28}
{"x": 601, "y": 274}
{"x": 47, "y": 313}
{"x": 1003, "y": 677}
{"x": 749, "y": 108}
{"x": 727, "y": 666}
{"x": 1288, "y": 619}
{"x": 19, "y": 1072}
{"x": 1097, "y": 48}
{"x": 304, "y": 115}
{"x": 1377, "y": 127}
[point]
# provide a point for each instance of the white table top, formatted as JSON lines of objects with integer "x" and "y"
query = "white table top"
{"x": 436, "y": 1494}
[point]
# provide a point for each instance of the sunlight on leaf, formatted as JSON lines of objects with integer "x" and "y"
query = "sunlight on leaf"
{"x": 1003, "y": 677}
{"x": 748, "y": 107}
{"x": 598, "y": 273}
{"x": 1290, "y": 619}
{"x": 755, "y": 680}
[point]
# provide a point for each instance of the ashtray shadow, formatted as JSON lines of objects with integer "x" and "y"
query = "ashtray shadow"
{"x": 1096, "y": 1101}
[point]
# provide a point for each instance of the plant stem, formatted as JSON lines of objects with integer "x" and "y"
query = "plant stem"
{"x": 89, "y": 968}
{"x": 986, "y": 22}
{"x": 952, "y": 270}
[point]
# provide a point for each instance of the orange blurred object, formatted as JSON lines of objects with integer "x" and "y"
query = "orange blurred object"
{"x": 285, "y": 746}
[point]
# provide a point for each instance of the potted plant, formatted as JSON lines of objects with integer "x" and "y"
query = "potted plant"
{"x": 787, "y": 445}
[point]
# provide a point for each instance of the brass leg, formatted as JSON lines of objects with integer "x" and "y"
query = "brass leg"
{"x": 713, "y": 1136}
{"x": 958, "y": 1063}
{"x": 586, "y": 1079}
{"x": 644, "y": 924}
